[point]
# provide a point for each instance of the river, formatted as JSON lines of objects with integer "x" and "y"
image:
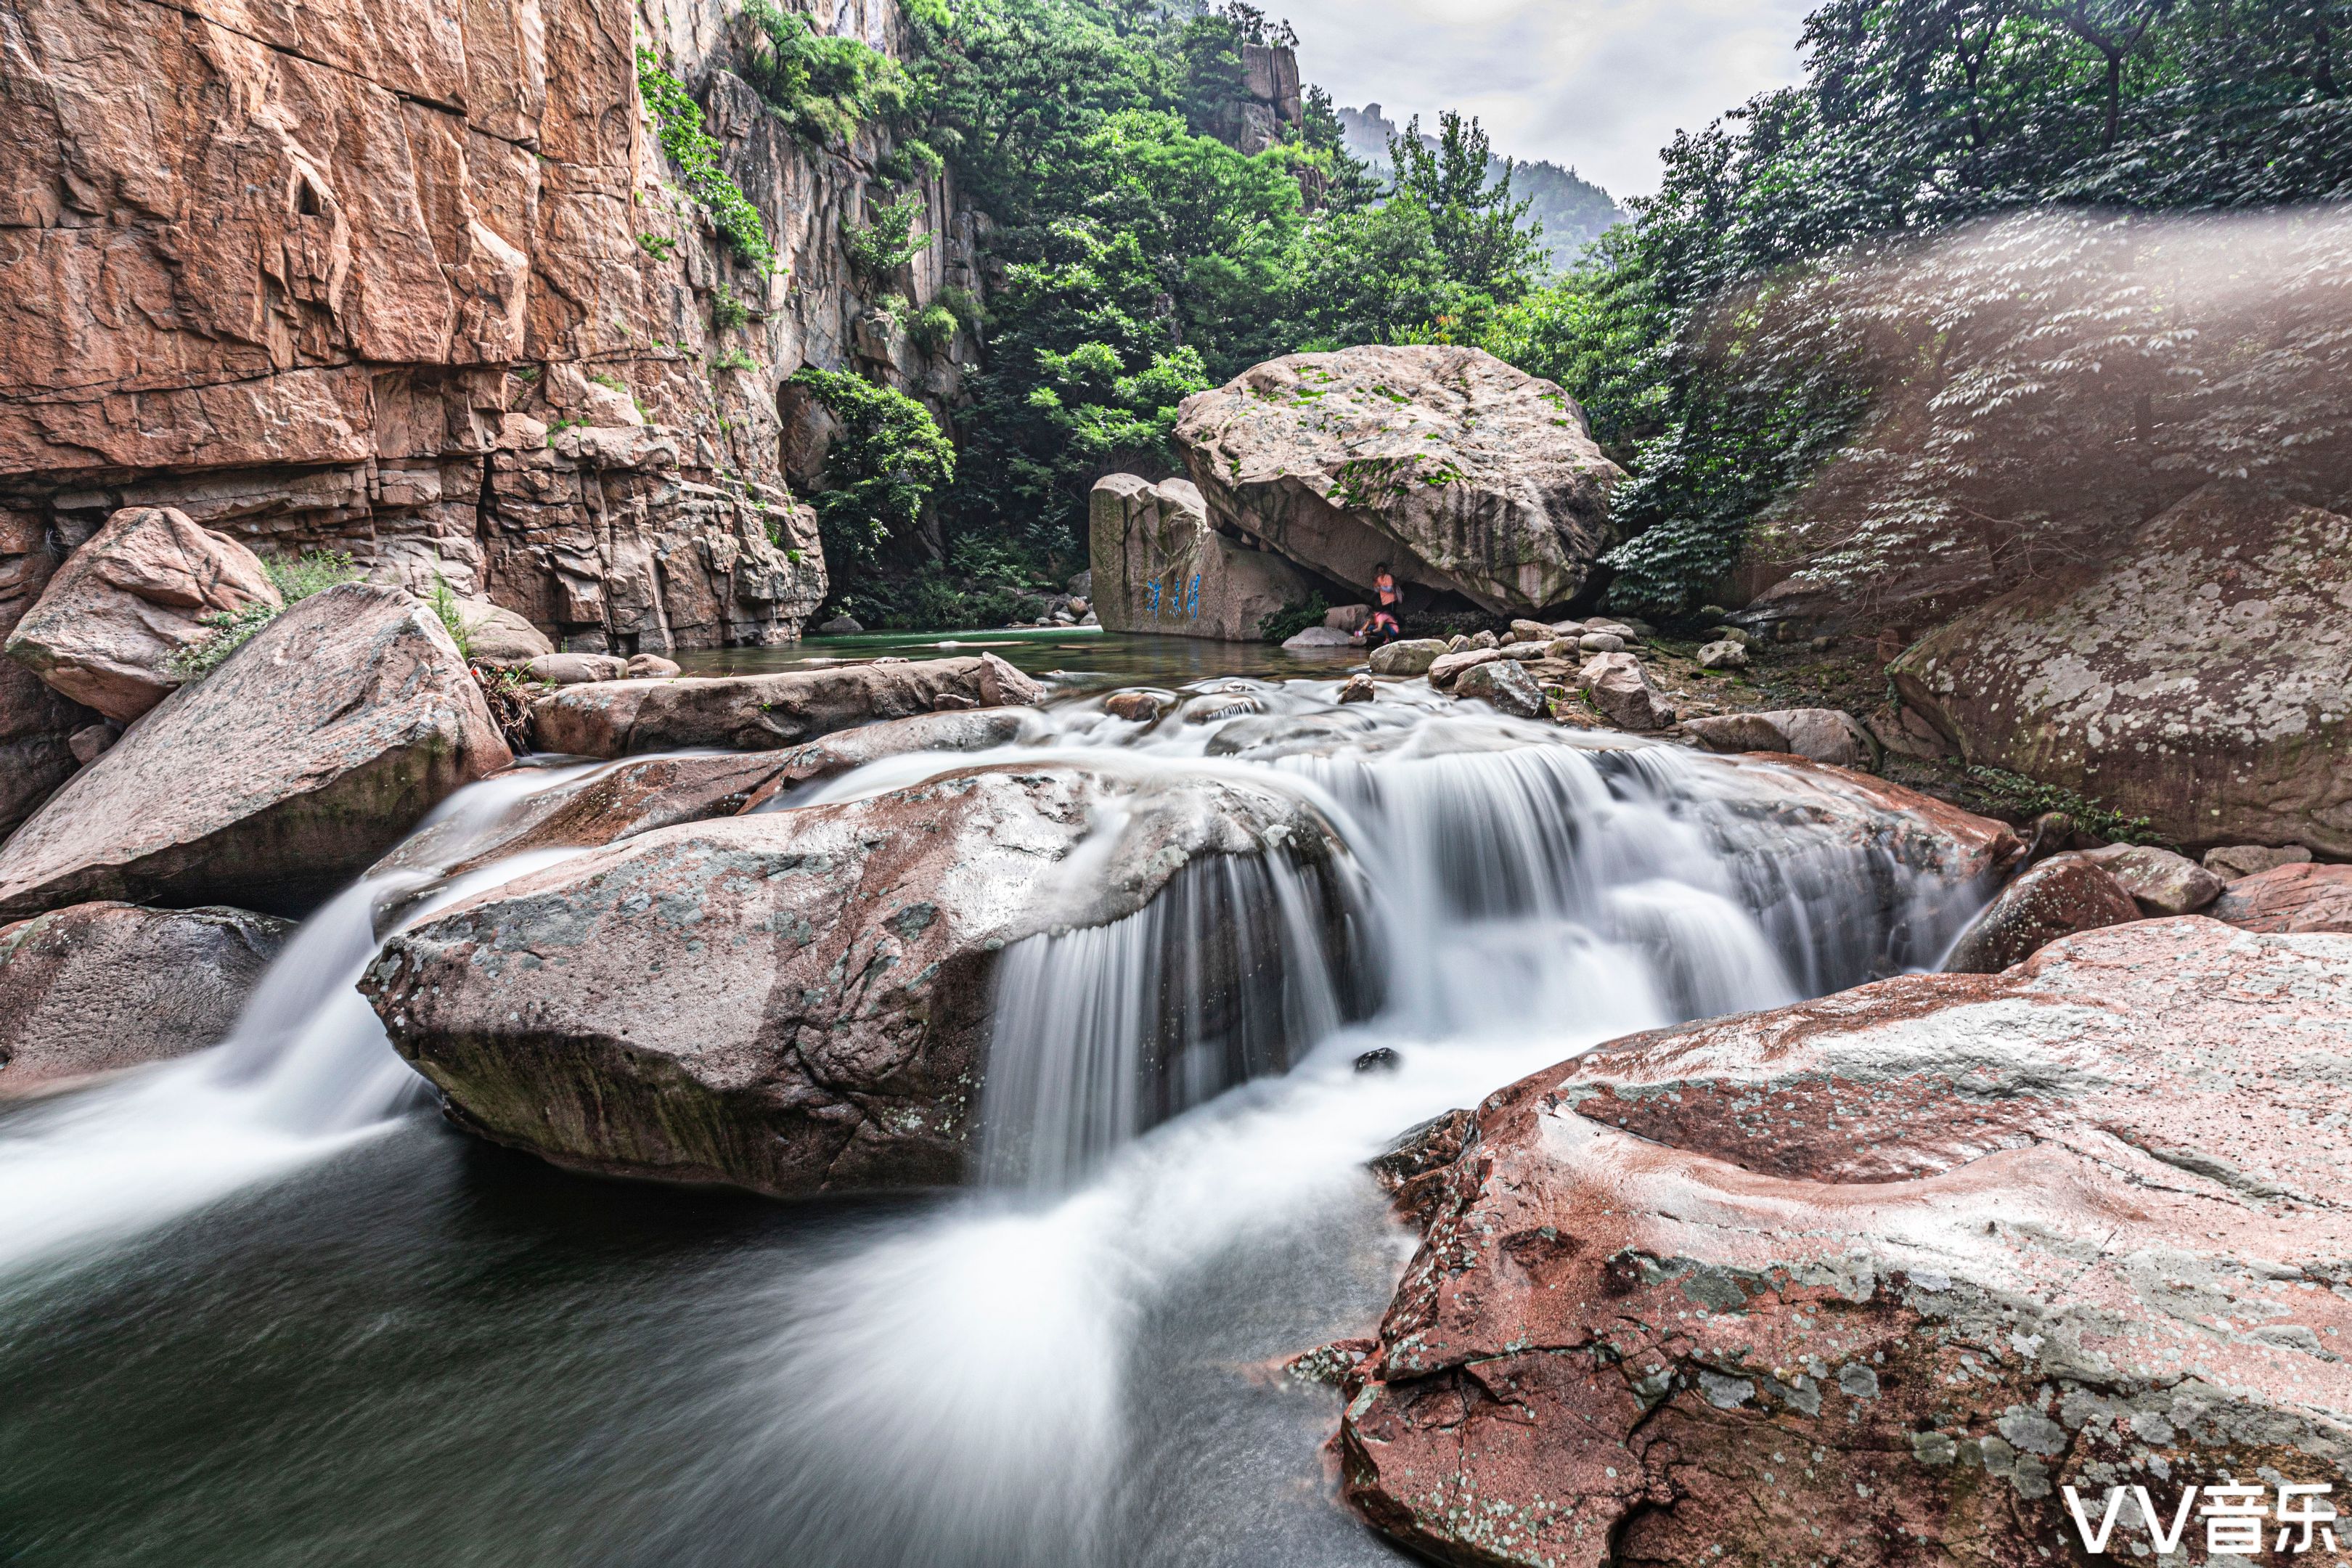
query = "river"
{"x": 263, "y": 1306}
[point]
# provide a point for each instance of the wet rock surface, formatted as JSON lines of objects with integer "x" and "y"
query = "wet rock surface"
{"x": 2063, "y": 895}
{"x": 311, "y": 752}
{"x": 1464, "y": 474}
{"x": 1885, "y": 1271}
{"x": 107, "y": 628}
{"x": 2289, "y": 899}
{"x": 98, "y": 987}
{"x": 790, "y": 1002}
{"x": 762, "y": 712}
{"x": 2196, "y": 680}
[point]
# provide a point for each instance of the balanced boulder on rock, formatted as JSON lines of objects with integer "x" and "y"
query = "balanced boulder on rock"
{"x": 1160, "y": 566}
{"x": 762, "y": 712}
{"x": 279, "y": 777}
{"x": 1461, "y": 474}
{"x": 1874, "y": 1278}
{"x": 790, "y": 1002}
{"x": 109, "y": 623}
{"x": 98, "y": 987}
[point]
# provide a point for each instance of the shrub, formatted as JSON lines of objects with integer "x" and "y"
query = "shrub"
{"x": 1293, "y": 619}
{"x": 881, "y": 470}
{"x": 934, "y": 328}
{"x": 728, "y": 312}
{"x": 312, "y": 572}
{"x": 877, "y": 250}
{"x": 696, "y": 152}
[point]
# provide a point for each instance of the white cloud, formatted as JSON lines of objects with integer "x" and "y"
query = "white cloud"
{"x": 1598, "y": 84}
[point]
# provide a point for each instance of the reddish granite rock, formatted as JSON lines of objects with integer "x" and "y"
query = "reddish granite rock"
{"x": 109, "y": 623}
{"x": 99, "y": 987}
{"x": 2290, "y": 899}
{"x": 2063, "y": 895}
{"x": 762, "y": 712}
{"x": 790, "y": 1002}
{"x": 1868, "y": 1280}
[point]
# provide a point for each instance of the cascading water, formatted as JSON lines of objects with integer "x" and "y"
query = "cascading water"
{"x": 1050, "y": 1371}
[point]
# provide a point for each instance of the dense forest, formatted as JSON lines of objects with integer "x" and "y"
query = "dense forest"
{"x": 1144, "y": 260}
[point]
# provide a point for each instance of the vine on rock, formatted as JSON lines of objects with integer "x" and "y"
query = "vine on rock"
{"x": 696, "y": 152}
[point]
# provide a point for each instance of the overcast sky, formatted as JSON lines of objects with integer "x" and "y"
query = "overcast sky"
{"x": 1599, "y": 85}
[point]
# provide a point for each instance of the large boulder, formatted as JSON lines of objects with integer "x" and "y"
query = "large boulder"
{"x": 37, "y": 722}
{"x": 1160, "y": 567}
{"x": 308, "y": 753}
{"x": 2063, "y": 895}
{"x": 2196, "y": 680}
{"x": 96, "y": 988}
{"x": 2290, "y": 899}
{"x": 790, "y": 1002}
{"x": 762, "y": 712}
{"x": 125, "y": 603}
{"x": 1464, "y": 474}
{"x": 1874, "y": 1278}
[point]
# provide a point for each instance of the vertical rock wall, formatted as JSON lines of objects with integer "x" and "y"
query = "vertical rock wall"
{"x": 413, "y": 278}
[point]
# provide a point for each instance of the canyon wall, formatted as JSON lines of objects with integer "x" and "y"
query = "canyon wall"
{"x": 413, "y": 279}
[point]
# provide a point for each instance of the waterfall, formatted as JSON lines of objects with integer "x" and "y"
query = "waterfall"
{"x": 305, "y": 1072}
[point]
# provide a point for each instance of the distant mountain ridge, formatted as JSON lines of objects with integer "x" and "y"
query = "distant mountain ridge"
{"x": 1574, "y": 211}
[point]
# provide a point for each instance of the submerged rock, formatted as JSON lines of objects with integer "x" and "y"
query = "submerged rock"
{"x": 1163, "y": 568}
{"x": 762, "y": 712}
{"x": 96, "y": 988}
{"x": 2063, "y": 895}
{"x": 107, "y": 628}
{"x": 790, "y": 1002}
{"x": 1462, "y": 474}
{"x": 1896, "y": 1265}
{"x": 2196, "y": 680}
{"x": 311, "y": 751}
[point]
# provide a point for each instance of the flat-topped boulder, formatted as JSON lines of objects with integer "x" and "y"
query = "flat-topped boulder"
{"x": 95, "y": 988}
{"x": 1464, "y": 474}
{"x": 790, "y": 1002}
{"x": 2289, "y": 899}
{"x": 763, "y": 713}
{"x": 1158, "y": 566}
{"x": 277, "y": 778}
{"x": 1899, "y": 1266}
{"x": 2196, "y": 678}
{"x": 132, "y": 598}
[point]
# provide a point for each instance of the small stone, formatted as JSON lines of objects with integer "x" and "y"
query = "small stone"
{"x": 1409, "y": 657}
{"x": 1379, "y": 1060}
{"x": 91, "y": 742}
{"x": 1600, "y": 642}
{"x": 1712, "y": 612}
{"x": 1732, "y": 634}
{"x": 1723, "y": 656}
{"x": 1504, "y": 684}
{"x": 2251, "y": 860}
{"x": 1823, "y": 644}
{"x": 1079, "y": 607}
{"x": 1445, "y": 670}
{"x": 1359, "y": 688}
{"x": 1320, "y": 637}
{"x": 1456, "y": 643}
{"x": 1486, "y": 640}
{"x": 953, "y": 702}
{"x": 1531, "y": 631}
{"x": 1135, "y": 707}
{"x": 652, "y": 666}
{"x": 841, "y": 627}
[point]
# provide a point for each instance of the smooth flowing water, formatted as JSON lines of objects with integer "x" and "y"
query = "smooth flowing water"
{"x": 261, "y": 1307}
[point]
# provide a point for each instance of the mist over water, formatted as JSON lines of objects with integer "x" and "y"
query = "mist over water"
{"x": 1072, "y": 1363}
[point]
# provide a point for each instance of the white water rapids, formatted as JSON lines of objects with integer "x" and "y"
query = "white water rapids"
{"x": 1173, "y": 1129}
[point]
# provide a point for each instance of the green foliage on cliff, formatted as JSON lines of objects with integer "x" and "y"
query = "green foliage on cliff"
{"x": 881, "y": 472}
{"x": 825, "y": 87}
{"x": 696, "y": 152}
{"x": 1914, "y": 117}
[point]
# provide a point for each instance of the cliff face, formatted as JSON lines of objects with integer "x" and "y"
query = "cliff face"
{"x": 324, "y": 274}
{"x": 413, "y": 278}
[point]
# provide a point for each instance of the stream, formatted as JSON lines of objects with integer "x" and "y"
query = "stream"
{"x": 263, "y": 1306}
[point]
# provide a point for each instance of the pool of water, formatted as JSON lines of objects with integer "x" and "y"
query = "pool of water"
{"x": 1081, "y": 658}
